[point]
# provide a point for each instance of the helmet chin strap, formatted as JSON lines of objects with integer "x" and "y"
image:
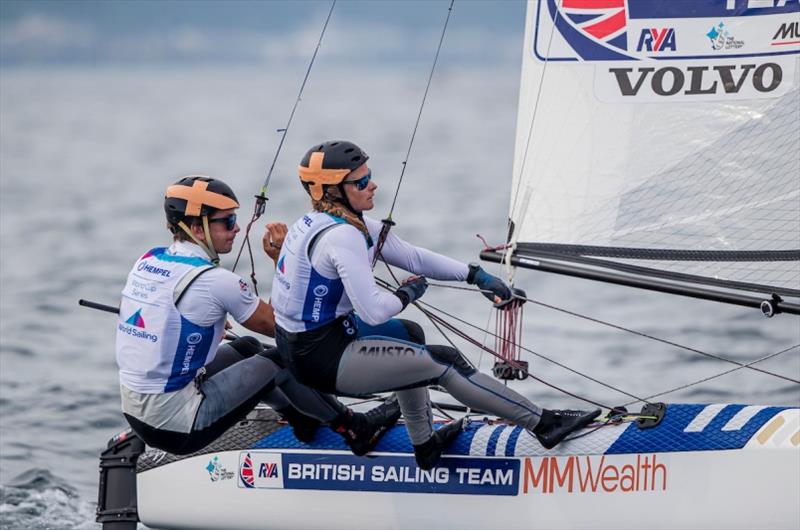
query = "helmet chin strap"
{"x": 209, "y": 249}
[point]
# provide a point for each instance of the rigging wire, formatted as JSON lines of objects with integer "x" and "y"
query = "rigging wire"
{"x": 535, "y": 353}
{"x": 388, "y": 222}
{"x": 261, "y": 198}
{"x": 421, "y": 306}
{"x": 705, "y": 379}
{"x": 634, "y": 332}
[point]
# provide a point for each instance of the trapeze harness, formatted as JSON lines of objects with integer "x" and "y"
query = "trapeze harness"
{"x": 162, "y": 350}
{"x": 336, "y": 331}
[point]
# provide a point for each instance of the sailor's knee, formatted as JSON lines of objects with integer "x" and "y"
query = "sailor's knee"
{"x": 453, "y": 357}
{"x": 414, "y": 330}
{"x": 273, "y": 355}
{"x": 247, "y": 346}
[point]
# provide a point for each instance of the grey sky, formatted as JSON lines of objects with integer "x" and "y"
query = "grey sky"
{"x": 123, "y": 32}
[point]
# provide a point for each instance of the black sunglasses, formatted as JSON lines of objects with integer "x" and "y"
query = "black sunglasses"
{"x": 230, "y": 221}
{"x": 362, "y": 183}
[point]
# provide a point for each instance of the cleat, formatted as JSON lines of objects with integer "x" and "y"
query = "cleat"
{"x": 428, "y": 453}
{"x": 555, "y": 425}
{"x": 365, "y": 430}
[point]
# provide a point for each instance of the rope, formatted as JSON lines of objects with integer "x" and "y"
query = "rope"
{"x": 438, "y": 320}
{"x": 705, "y": 379}
{"x": 388, "y": 223}
{"x": 634, "y": 332}
{"x": 261, "y": 199}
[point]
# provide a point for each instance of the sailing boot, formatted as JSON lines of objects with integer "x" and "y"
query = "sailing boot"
{"x": 555, "y": 425}
{"x": 428, "y": 453}
{"x": 304, "y": 427}
{"x": 361, "y": 432}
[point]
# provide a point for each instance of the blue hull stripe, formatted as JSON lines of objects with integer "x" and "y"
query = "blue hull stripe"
{"x": 667, "y": 437}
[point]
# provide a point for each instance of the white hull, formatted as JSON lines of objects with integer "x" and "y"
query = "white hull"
{"x": 718, "y": 489}
{"x": 577, "y": 485}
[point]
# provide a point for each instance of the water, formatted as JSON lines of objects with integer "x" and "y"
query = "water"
{"x": 87, "y": 154}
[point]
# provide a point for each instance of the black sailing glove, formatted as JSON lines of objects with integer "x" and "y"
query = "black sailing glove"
{"x": 412, "y": 289}
{"x": 493, "y": 287}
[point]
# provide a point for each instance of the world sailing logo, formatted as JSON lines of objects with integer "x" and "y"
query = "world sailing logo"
{"x": 136, "y": 319}
{"x": 134, "y": 326}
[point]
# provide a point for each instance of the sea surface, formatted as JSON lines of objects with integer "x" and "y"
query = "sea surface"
{"x": 88, "y": 152}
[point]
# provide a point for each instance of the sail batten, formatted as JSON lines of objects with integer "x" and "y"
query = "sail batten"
{"x": 677, "y": 156}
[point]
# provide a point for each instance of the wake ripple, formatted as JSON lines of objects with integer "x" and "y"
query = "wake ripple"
{"x": 37, "y": 499}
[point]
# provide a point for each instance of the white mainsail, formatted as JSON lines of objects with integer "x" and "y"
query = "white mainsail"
{"x": 664, "y": 136}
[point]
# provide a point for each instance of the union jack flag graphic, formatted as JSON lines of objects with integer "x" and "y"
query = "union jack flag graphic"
{"x": 246, "y": 472}
{"x": 603, "y": 20}
{"x": 594, "y": 29}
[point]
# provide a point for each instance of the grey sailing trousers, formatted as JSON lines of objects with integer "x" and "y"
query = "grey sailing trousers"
{"x": 380, "y": 364}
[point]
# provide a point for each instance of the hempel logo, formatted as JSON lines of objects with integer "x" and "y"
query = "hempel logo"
{"x": 146, "y": 267}
{"x": 193, "y": 339}
{"x": 319, "y": 293}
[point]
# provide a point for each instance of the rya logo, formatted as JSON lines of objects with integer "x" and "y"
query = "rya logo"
{"x": 657, "y": 40}
{"x": 268, "y": 470}
{"x": 260, "y": 470}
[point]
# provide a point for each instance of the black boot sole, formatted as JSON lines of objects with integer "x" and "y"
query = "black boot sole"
{"x": 362, "y": 447}
{"x": 557, "y": 434}
{"x": 428, "y": 453}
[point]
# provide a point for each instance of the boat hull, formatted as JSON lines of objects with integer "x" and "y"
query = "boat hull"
{"x": 704, "y": 466}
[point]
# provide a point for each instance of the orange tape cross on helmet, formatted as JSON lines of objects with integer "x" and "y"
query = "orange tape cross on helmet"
{"x": 197, "y": 195}
{"x": 317, "y": 177}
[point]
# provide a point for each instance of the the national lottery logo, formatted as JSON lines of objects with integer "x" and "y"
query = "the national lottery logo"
{"x": 243, "y": 286}
{"x": 260, "y": 470}
{"x": 216, "y": 471}
{"x": 722, "y": 39}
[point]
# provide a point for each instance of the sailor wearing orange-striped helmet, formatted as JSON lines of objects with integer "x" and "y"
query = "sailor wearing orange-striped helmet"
{"x": 339, "y": 329}
{"x": 180, "y": 388}
{"x": 190, "y": 204}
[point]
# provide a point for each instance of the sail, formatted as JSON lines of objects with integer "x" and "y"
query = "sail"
{"x": 662, "y": 139}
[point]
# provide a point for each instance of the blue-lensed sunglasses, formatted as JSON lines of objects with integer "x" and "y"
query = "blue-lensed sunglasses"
{"x": 362, "y": 183}
{"x": 230, "y": 221}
